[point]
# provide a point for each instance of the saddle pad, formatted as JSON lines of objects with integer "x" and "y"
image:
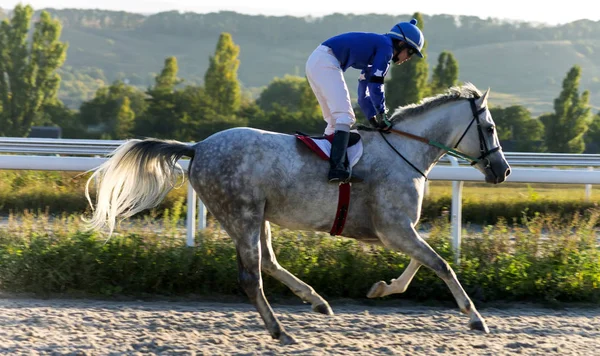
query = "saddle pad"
{"x": 321, "y": 145}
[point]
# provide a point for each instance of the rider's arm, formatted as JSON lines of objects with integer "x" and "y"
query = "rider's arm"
{"x": 375, "y": 85}
{"x": 364, "y": 101}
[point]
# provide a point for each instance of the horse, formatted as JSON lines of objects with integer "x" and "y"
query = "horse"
{"x": 248, "y": 178}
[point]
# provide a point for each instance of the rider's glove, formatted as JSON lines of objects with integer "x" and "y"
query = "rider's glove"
{"x": 384, "y": 123}
{"x": 373, "y": 122}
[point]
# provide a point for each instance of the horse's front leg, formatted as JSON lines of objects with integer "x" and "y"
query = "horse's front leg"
{"x": 381, "y": 289}
{"x": 406, "y": 239}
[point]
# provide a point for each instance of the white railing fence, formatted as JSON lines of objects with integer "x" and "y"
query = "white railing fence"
{"x": 41, "y": 154}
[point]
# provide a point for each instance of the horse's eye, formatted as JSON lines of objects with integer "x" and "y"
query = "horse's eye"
{"x": 491, "y": 129}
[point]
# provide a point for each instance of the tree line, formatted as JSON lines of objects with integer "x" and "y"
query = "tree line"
{"x": 108, "y": 45}
{"x": 169, "y": 108}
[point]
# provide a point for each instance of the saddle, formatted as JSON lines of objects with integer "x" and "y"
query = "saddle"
{"x": 321, "y": 145}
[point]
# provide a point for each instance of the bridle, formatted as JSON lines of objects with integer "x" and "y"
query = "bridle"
{"x": 483, "y": 147}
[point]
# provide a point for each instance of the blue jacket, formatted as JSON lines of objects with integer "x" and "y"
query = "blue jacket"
{"x": 371, "y": 53}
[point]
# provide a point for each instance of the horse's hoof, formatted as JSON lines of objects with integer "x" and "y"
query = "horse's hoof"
{"x": 479, "y": 325}
{"x": 377, "y": 290}
{"x": 286, "y": 339}
{"x": 323, "y": 309}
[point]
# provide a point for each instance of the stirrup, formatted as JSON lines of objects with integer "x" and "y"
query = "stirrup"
{"x": 350, "y": 178}
{"x": 338, "y": 176}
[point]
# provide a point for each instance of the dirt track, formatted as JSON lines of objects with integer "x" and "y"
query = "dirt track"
{"x": 91, "y": 327}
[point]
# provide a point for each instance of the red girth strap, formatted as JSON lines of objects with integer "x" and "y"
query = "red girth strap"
{"x": 342, "y": 209}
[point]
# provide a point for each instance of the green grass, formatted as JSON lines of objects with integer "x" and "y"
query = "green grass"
{"x": 488, "y": 204}
{"x": 504, "y": 262}
{"x": 516, "y": 191}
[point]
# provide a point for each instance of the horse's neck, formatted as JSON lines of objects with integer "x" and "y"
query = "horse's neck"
{"x": 441, "y": 125}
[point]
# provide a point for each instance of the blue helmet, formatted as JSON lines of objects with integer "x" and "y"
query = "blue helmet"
{"x": 409, "y": 33}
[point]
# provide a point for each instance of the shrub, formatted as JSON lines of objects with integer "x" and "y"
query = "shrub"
{"x": 540, "y": 259}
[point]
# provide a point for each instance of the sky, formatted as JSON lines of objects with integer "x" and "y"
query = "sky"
{"x": 520, "y": 10}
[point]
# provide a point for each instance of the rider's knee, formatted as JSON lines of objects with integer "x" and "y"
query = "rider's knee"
{"x": 343, "y": 123}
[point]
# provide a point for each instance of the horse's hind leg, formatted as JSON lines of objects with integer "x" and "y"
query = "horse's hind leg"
{"x": 249, "y": 259}
{"x": 381, "y": 289}
{"x": 272, "y": 267}
{"x": 408, "y": 241}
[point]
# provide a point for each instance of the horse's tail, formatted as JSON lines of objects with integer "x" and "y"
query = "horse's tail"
{"x": 138, "y": 176}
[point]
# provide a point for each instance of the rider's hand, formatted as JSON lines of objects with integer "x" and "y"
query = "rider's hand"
{"x": 373, "y": 122}
{"x": 384, "y": 123}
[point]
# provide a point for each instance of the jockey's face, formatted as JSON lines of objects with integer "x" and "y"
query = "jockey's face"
{"x": 405, "y": 54}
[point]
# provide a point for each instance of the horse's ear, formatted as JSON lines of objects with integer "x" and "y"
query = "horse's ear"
{"x": 484, "y": 98}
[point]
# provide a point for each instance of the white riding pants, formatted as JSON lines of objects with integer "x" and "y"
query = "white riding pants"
{"x": 326, "y": 79}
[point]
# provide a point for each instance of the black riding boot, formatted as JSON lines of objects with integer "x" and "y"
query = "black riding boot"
{"x": 338, "y": 171}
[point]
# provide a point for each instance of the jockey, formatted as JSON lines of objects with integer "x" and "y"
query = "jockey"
{"x": 371, "y": 53}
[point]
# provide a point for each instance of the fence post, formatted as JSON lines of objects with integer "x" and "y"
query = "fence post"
{"x": 456, "y": 213}
{"x": 190, "y": 221}
{"x": 201, "y": 215}
{"x": 588, "y": 188}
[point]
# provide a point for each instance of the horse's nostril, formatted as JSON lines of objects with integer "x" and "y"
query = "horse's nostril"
{"x": 507, "y": 172}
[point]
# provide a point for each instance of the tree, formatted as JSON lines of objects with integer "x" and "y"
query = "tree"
{"x": 27, "y": 70}
{"x": 56, "y": 113}
{"x": 516, "y": 125}
{"x": 100, "y": 117}
{"x": 198, "y": 118}
{"x": 592, "y": 136}
{"x": 162, "y": 118}
{"x": 292, "y": 93}
{"x": 167, "y": 79}
{"x": 565, "y": 128}
{"x": 125, "y": 120}
{"x": 408, "y": 82}
{"x": 220, "y": 80}
{"x": 285, "y": 92}
{"x": 445, "y": 74}
{"x": 288, "y": 104}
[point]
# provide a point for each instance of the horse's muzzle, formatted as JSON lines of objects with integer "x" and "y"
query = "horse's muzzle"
{"x": 492, "y": 177}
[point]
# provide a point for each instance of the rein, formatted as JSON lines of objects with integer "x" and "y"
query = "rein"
{"x": 451, "y": 151}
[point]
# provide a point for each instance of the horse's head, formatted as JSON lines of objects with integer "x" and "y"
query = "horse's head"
{"x": 480, "y": 141}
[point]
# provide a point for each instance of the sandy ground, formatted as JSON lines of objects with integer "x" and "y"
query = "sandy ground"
{"x": 93, "y": 327}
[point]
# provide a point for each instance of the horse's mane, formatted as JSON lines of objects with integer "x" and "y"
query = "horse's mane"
{"x": 466, "y": 91}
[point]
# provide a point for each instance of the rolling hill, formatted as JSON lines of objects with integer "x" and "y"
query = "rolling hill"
{"x": 522, "y": 63}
